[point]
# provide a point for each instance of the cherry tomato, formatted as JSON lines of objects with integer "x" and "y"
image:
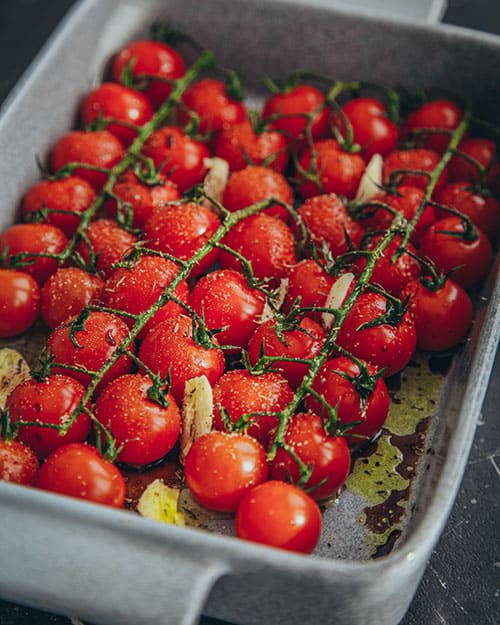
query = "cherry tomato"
{"x": 66, "y": 197}
{"x": 18, "y": 463}
{"x": 220, "y": 468}
{"x": 266, "y": 242}
{"x": 310, "y": 282}
{"x": 97, "y": 339}
{"x": 418, "y": 159}
{"x": 224, "y": 300}
{"x": 302, "y": 340}
{"x": 51, "y": 401}
{"x": 447, "y": 245}
{"x": 105, "y": 244}
{"x": 481, "y": 208}
{"x": 432, "y": 116}
{"x": 182, "y": 230}
{"x": 306, "y": 436}
{"x": 462, "y": 169}
{"x": 279, "y": 515}
{"x": 169, "y": 348}
{"x": 372, "y": 130}
{"x": 27, "y": 239}
{"x": 66, "y": 293}
{"x": 336, "y": 171}
{"x": 254, "y": 184}
{"x": 239, "y": 393}
{"x": 148, "y": 60}
{"x": 289, "y": 111}
{"x": 98, "y": 148}
{"x": 390, "y": 340}
{"x": 241, "y": 145}
{"x": 181, "y": 158}
{"x": 354, "y": 396}
{"x": 215, "y": 108}
{"x": 328, "y": 221}
{"x": 147, "y": 429}
{"x": 113, "y": 101}
{"x": 19, "y": 302}
{"x": 442, "y": 315}
{"x": 77, "y": 470}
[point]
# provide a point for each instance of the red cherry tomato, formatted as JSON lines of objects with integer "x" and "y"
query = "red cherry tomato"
{"x": 77, "y": 470}
{"x": 181, "y": 158}
{"x": 254, "y": 184}
{"x": 52, "y": 401}
{"x": 65, "y": 197}
{"x": 18, "y": 463}
{"x": 445, "y": 245}
{"x": 113, "y": 101}
{"x": 443, "y": 315}
{"x": 99, "y": 149}
{"x": 148, "y": 60}
{"x": 239, "y": 393}
{"x": 355, "y": 397}
{"x": 336, "y": 171}
{"x": 462, "y": 169}
{"x": 224, "y": 300}
{"x": 433, "y": 116}
{"x": 169, "y": 348}
{"x": 66, "y": 293}
{"x": 27, "y": 239}
{"x": 280, "y": 515}
{"x": 19, "y": 302}
{"x": 182, "y": 230}
{"x": 399, "y": 161}
{"x": 220, "y": 468}
{"x": 329, "y": 455}
{"x": 310, "y": 282}
{"x": 146, "y": 429}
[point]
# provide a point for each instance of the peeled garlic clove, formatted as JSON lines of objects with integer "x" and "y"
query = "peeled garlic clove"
{"x": 197, "y": 412}
{"x": 371, "y": 181}
{"x": 13, "y": 370}
{"x": 335, "y": 298}
{"x": 159, "y": 502}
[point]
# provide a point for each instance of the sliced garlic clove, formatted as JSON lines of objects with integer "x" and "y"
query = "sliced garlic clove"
{"x": 197, "y": 412}
{"x": 215, "y": 180}
{"x": 335, "y": 298}
{"x": 159, "y": 502}
{"x": 13, "y": 370}
{"x": 371, "y": 181}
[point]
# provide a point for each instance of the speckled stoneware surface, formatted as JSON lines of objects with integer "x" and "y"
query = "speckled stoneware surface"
{"x": 113, "y": 567}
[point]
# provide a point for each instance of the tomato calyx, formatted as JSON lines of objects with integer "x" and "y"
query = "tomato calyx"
{"x": 394, "y": 312}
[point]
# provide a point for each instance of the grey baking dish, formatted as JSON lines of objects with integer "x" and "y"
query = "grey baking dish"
{"x": 113, "y": 567}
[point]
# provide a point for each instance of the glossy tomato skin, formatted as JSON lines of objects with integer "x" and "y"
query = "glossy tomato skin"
{"x": 224, "y": 300}
{"x": 442, "y": 316}
{"x": 481, "y": 208}
{"x": 480, "y": 150}
{"x": 329, "y": 455}
{"x": 18, "y": 463}
{"x": 421, "y": 159}
{"x": 279, "y": 515}
{"x": 169, "y": 347}
{"x": 449, "y": 251}
{"x": 254, "y": 184}
{"x": 19, "y": 302}
{"x": 240, "y": 145}
{"x": 69, "y": 195}
{"x": 267, "y": 242}
{"x": 432, "y": 116}
{"x": 220, "y": 468}
{"x": 182, "y": 159}
{"x": 372, "y": 130}
{"x": 98, "y": 148}
{"x": 146, "y": 429}
{"x": 337, "y": 171}
{"x": 150, "y": 59}
{"x": 341, "y": 393}
{"x": 66, "y": 293}
{"x": 100, "y": 337}
{"x": 48, "y": 402}
{"x": 182, "y": 230}
{"x": 215, "y": 108}
{"x": 327, "y": 221}
{"x": 240, "y": 393}
{"x": 310, "y": 282}
{"x": 114, "y": 101}
{"x": 77, "y": 470}
{"x": 304, "y": 341}
{"x": 385, "y": 345}
{"x": 36, "y": 239}
{"x": 288, "y": 112}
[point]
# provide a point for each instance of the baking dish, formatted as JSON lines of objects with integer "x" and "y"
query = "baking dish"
{"x": 62, "y": 554}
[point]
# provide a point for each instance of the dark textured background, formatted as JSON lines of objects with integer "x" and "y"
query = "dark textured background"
{"x": 461, "y": 585}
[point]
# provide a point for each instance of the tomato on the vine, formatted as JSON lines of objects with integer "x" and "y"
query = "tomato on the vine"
{"x": 400, "y": 168}
{"x": 18, "y": 463}
{"x": 19, "y": 302}
{"x": 424, "y": 124}
{"x": 482, "y": 152}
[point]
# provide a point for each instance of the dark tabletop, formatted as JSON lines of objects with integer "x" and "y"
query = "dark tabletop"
{"x": 461, "y": 585}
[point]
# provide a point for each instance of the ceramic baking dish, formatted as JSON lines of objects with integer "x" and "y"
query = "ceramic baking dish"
{"x": 113, "y": 567}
